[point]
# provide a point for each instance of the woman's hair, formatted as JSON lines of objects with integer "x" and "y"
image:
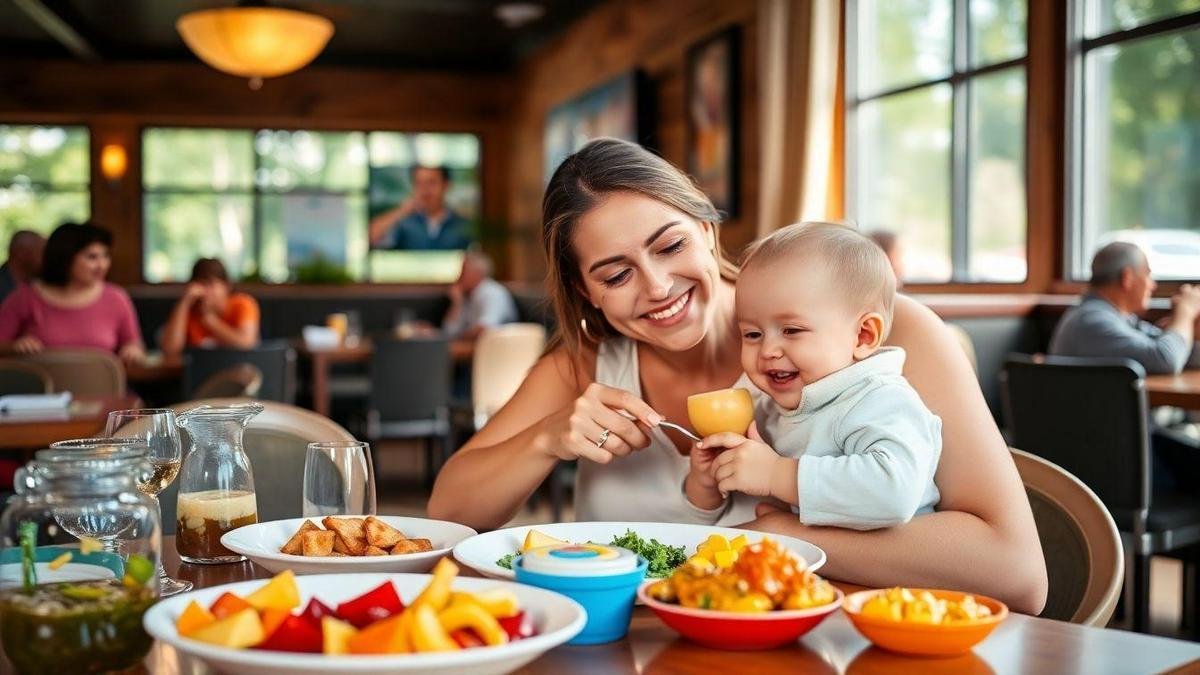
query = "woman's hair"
{"x": 64, "y": 243}
{"x": 603, "y": 167}
{"x": 209, "y": 269}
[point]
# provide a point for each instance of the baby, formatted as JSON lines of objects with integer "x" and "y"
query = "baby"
{"x": 840, "y": 436}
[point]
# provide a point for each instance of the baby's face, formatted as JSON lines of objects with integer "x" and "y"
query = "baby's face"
{"x": 796, "y": 327}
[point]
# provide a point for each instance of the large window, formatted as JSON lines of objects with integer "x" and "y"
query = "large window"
{"x": 279, "y": 205}
{"x": 936, "y": 133}
{"x": 1135, "y": 141}
{"x": 44, "y": 178}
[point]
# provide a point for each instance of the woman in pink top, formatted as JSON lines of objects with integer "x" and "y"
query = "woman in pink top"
{"x": 71, "y": 305}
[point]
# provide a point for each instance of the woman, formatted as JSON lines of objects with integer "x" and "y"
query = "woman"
{"x": 644, "y": 302}
{"x": 71, "y": 305}
{"x": 210, "y": 314}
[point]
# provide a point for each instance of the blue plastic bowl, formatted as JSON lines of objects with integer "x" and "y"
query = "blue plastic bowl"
{"x": 608, "y": 600}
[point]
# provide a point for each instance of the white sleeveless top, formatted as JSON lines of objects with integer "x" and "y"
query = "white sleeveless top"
{"x": 646, "y": 485}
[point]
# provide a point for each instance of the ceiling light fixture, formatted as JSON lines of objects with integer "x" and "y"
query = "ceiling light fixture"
{"x": 517, "y": 14}
{"x": 253, "y": 40}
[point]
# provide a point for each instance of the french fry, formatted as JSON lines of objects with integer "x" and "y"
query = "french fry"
{"x": 318, "y": 543}
{"x": 380, "y": 534}
{"x": 427, "y": 632}
{"x": 294, "y": 546}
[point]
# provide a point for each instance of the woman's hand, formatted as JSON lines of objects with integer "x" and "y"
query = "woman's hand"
{"x": 132, "y": 353}
{"x": 27, "y": 344}
{"x": 576, "y": 430}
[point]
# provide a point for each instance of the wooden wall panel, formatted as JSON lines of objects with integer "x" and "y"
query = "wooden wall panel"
{"x": 653, "y": 35}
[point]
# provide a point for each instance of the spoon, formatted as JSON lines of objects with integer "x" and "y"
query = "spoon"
{"x": 681, "y": 430}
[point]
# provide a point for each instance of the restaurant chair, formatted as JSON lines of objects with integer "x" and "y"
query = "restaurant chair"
{"x": 1084, "y": 559}
{"x": 410, "y": 396}
{"x": 276, "y": 442}
{"x": 276, "y": 360}
{"x": 83, "y": 372}
{"x": 1090, "y": 417}
{"x": 18, "y": 376}
{"x": 503, "y": 356}
{"x": 243, "y": 380}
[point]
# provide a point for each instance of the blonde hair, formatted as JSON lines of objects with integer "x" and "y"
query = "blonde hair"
{"x": 600, "y": 168}
{"x": 859, "y": 267}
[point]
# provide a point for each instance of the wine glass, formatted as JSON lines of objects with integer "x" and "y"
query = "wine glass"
{"x": 339, "y": 479}
{"x": 156, "y": 427}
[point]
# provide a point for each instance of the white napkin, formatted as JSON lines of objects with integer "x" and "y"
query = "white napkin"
{"x": 27, "y": 403}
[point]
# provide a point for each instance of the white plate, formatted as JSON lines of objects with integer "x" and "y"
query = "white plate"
{"x": 481, "y": 551}
{"x": 261, "y": 543}
{"x": 556, "y": 617}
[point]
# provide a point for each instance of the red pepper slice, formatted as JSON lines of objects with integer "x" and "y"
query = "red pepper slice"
{"x": 295, "y": 634}
{"x": 467, "y": 638}
{"x": 377, "y": 603}
{"x": 314, "y": 610}
{"x": 518, "y": 626}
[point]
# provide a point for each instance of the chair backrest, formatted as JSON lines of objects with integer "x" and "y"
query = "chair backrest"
{"x": 503, "y": 356}
{"x": 276, "y": 443}
{"x": 243, "y": 380}
{"x": 410, "y": 379}
{"x": 964, "y": 341}
{"x": 1088, "y": 416}
{"x": 1084, "y": 559}
{"x": 276, "y": 360}
{"x": 83, "y": 372}
{"x": 18, "y": 376}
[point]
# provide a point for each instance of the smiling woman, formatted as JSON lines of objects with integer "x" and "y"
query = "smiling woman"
{"x": 644, "y": 301}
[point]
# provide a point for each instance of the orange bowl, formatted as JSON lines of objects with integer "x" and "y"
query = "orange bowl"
{"x": 729, "y": 410}
{"x": 922, "y": 639}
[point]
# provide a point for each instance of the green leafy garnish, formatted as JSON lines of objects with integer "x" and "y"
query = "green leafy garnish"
{"x": 27, "y": 531}
{"x": 507, "y": 561}
{"x": 662, "y": 559}
{"x": 140, "y": 568}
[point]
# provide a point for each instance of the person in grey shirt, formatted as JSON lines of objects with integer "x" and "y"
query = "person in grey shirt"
{"x": 477, "y": 301}
{"x": 1105, "y": 323}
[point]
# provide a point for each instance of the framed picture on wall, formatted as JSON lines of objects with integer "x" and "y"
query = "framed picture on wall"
{"x": 620, "y": 108}
{"x": 711, "y": 89}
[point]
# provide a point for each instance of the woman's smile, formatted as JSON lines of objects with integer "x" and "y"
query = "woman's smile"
{"x": 671, "y": 313}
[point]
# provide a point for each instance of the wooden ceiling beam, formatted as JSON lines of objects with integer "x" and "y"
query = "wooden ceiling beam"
{"x": 59, "y": 29}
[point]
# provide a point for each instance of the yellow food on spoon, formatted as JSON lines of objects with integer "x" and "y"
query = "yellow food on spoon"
{"x": 535, "y": 539}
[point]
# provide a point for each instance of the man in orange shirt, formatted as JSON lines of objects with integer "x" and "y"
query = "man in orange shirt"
{"x": 210, "y": 314}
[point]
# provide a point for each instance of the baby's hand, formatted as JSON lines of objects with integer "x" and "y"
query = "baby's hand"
{"x": 699, "y": 485}
{"x": 747, "y": 465}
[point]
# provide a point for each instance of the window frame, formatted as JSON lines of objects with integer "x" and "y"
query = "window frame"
{"x": 1078, "y": 45}
{"x": 256, "y": 192}
{"x": 960, "y": 77}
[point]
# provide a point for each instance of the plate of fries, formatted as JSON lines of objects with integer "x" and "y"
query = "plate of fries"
{"x": 347, "y": 543}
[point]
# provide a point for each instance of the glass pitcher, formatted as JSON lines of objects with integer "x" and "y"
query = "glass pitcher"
{"x": 80, "y": 545}
{"x": 216, "y": 485}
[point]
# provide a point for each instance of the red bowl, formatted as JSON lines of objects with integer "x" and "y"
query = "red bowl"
{"x": 739, "y": 630}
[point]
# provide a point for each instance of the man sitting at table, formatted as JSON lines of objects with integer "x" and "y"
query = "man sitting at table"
{"x": 210, "y": 314}
{"x": 1106, "y": 323}
{"x": 423, "y": 222}
{"x": 477, "y": 301}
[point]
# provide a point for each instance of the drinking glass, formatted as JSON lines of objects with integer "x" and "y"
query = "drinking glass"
{"x": 156, "y": 428}
{"x": 339, "y": 479}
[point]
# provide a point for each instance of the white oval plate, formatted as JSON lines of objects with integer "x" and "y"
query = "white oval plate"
{"x": 481, "y": 551}
{"x": 556, "y": 617}
{"x": 261, "y": 542}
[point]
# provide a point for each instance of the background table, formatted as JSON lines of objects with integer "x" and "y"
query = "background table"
{"x": 85, "y": 417}
{"x": 1181, "y": 391}
{"x": 1021, "y": 644}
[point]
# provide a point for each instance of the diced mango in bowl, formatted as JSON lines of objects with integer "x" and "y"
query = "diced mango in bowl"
{"x": 718, "y": 552}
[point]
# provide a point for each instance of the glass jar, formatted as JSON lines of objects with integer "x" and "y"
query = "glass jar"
{"x": 80, "y": 545}
{"x": 216, "y": 484}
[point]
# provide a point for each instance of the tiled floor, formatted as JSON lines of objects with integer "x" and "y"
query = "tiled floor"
{"x": 401, "y": 493}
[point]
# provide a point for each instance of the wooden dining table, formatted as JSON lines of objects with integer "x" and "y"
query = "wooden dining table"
{"x": 1021, "y": 644}
{"x": 1181, "y": 391}
{"x": 84, "y": 417}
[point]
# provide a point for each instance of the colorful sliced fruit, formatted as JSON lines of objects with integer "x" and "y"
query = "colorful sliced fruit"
{"x": 535, "y": 539}
{"x": 272, "y": 618}
{"x": 518, "y": 626}
{"x": 466, "y": 638}
{"x": 390, "y": 636}
{"x": 237, "y": 631}
{"x": 427, "y": 632}
{"x": 194, "y": 618}
{"x": 280, "y": 593}
{"x": 499, "y": 602}
{"x": 437, "y": 593}
{"x": 335, "y": 635}
{"x": 471, "y": 615}
{"x": 227, "y": 605}
{"x": 378, "y": 603}
{"x": 316, "y": 610}
{"x": 294, "y": 635}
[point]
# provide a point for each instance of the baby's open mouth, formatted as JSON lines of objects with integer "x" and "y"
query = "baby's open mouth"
{"x": 780, "y": 377}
